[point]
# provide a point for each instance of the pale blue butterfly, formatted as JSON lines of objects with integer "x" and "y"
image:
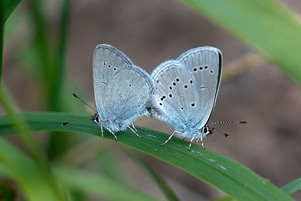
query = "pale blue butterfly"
{"x": 122, "y": 90}
{"x": 186, "y": 90}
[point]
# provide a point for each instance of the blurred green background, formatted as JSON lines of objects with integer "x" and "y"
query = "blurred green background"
{"x": 48, "y": 47}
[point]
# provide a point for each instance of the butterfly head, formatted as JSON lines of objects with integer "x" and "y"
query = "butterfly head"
{"x": 95, "y": 118}
{"x": 207, "y": 130}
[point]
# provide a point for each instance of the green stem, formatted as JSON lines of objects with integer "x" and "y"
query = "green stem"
{"x": 21, "y": 126}
{"x": 1, "y": 37}
{"x": 57, "y": 75}
{"x": 41, "y": 37}
{"x": 58, "y": 142}
{"x": 31, "y": 144}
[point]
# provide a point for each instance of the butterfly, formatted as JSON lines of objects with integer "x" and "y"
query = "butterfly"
{"x": 186, "y": 90}
{"x": 122, "y": 90}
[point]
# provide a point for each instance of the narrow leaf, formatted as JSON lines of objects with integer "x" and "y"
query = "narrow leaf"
{"x": 35, "y": 183}
{"x": 265, "y": 25}
{"x": 223, "y": 173}
{"x": 292, "y": 187}
{"x": 162, "y": 184}
{"x": 98, "y": 185}
{"x": 9, "y": 6}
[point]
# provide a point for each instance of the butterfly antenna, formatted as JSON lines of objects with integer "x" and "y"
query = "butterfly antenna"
{"x": 221, "y": 132}
{"x": 66, "y": 123}
{"x": 224, "y": 122}
{"x": 228, "y": 122}
{"x": 83, "y": 101}
{"x": 76, "y": 120}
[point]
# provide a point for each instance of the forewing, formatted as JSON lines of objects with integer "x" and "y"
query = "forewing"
{"x": 107, "y": 60}
{"x": 206, "y": 65}
{"x": 175, "y": 94}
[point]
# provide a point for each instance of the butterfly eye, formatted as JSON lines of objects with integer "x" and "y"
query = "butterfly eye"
{"x": 207, "y": 130}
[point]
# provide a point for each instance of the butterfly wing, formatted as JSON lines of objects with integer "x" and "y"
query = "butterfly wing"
{"x": 106, "y": 61}
{"x": 129, "y": 94}
{"x": 206, "y": 65}
{"x": 122, "y": 90}
{"x": 175, "y": 95}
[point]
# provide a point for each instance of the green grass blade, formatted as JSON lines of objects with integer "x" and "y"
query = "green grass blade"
{"x": 58, "y": 143}
{"x": 229, "y": 176}
{"x": 35, "y": 184}
{"x": 9, "y": 6}
{"x": 225, "y": 198}
{"x": 161, "y": 183}
{"x": 292, "y": 187}
{"x": 1, "y": 38}
{"x": 20, "y": 125}
{"x": 41, "y": 43}
{"x": 265, "y": 25}
{"x": 27, "y": 175}
{"x": 99, "y": 185}
{"x": 58, "y": 72}
{"x": 31, "y": 144}
{"x": 107, "y": 161}
{"x": 6, "y": 8}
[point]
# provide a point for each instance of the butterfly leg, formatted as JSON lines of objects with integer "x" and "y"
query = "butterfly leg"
{"x": 134, "y": 130}
{"x": 116, "y": 139}
{"x": 202, "y": 142}
{"x": 133, "y": 126}
{"x": 169, "y": 138}
{"x": 101, "y": 130}
{"x": 189, "y": 147}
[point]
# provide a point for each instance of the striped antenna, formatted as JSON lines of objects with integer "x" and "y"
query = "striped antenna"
{"x": 211, "y": 127}
{"x": 66, "y": 123}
